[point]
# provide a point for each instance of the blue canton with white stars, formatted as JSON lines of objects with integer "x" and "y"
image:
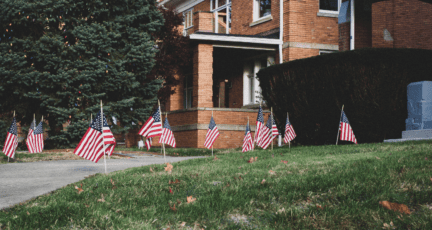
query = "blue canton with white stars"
{"x": 13, "y": 128}
{"x": 96, "y": 123}
{"x": 247, "y": 129}
{"x": 260, "y": 117}
{"x": 105, "y": 124}
{"x": 344, "y": 118}
{"x": 156, "y": 116}
{"x": 166, "y": 124}
{"x": 212, "y": 124}
{"x": 39, "y": 129}
{"x": 32, "y": 125}
{"x": 269, "y": 123}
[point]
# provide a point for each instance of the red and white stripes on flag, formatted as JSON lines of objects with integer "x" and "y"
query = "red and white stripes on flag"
{"x": 212, "y": 134}
{"x": 148, "y": 143}
{"x": 248, "y": 144}
{"x": 91, "y": 145}
{"x": 30, "y": 138}
{"x": 153, "y": 126}
{"x": 267, "y": 134}
{"x": 37, "y": 138}
{"x": 11, "y": 140}
{"x": 259, "y": 126}
{"x": 167, "y": 135}
{"x": 108, "y": 138}
{"x": 346, "y": 132}
{"x": 289, "y": 132}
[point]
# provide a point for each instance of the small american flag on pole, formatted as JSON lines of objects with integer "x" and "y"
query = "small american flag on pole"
{"x": 346, "y": 132}
{"x": 259, "y": 126}
{"x": 267, "y": 134}
{"x": 148, "y": 143}
{"x": 212, "y": 134}
{"x": 153, "y": 126}
{"x": 289, "y": 132}
{"x": 91, "y": 145}
{"x": 247, "y": 141}
{"x": 108, "y": 138}
{"x": 37, "y": 138}
{"x": 11, "y": 140}
{"x": 167, "y": 135}
{"x": 275, "y": 131}
{"x": 30, "y": 138}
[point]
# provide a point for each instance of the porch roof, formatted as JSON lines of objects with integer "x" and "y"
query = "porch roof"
{"x": 235, "y": 38}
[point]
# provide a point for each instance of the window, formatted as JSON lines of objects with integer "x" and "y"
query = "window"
{"x": 188, "y": 19}
{"x": 329, "y": 5}
{"x": 261, "y": 9}
{"x": 222, "y": 15}
{"x": 187, "y": 91}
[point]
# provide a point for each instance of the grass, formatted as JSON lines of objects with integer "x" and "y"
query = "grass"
{"x": 180, "y": 151}
{"x": 347, "y": 182}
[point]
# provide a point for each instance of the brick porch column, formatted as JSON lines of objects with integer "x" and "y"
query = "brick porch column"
{"x": 203, "y": 76}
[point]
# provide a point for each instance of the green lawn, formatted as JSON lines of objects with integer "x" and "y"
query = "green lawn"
{"x": 347, "y": 182}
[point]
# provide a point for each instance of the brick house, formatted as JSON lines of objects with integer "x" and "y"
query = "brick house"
{"x": 232, "y": 40}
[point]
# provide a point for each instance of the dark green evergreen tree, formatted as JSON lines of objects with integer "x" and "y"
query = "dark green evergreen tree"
{"x": 59, "y": 58}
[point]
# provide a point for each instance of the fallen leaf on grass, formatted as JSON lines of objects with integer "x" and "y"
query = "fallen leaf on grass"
{"x": 174, "y": 182}
{"x": 168, "y": 168}
{"x": 226, "y": 185}
{"x": 272, "y": 172}
{"x": 173, "y": 207}
{"x": 256, "y": 158}
{"x": 178, "y": 201}
{"x": 378, "y": 158}
{"x": 28, "y": 213}
{"x": 430, "y": 179}
{"x": 285, "y": 162}
{"x": 118, "y": 210}
{"x": 263, "y": 181}
{"x": 170, "y": 191}
{"x": 190, "y": 199}
{"x": 87, "y": 205}
{"x": 319, "y": 206}
{"x": 112, "y": 182}
{"x": 151, "y": 170}
{"x": 215, "y": 158}
{"x": 80, "y": 190}
{"x": 280, "y": 210}
{"x": 183, "y": 224}
{"x": 101, "y": 200}
{"x": 240, "y": 168}
{"x": 281, "y": 154}
{"x": 395, "y": 206}
{"x": 251, "y": 160}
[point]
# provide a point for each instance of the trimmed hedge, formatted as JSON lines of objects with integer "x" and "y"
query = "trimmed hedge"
{"x": 370, "y": 82}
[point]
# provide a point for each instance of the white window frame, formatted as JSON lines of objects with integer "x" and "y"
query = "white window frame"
{"x": 331, "y": 11}
{"x": 256, "y": 7}
{"x": 217, "y": 9}
{"x": 188, "y": 17}
{"x": 187, "y": 104}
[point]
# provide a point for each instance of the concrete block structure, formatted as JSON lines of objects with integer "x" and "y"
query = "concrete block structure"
{"x": 233, "y": 40}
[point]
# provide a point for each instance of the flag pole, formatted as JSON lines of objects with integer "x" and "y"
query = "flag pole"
{"x": 289, "y": 142}
{"x": 271, "y": 122}
{"x": 160, "y": 115}
{"x": 14, "y": 150}
{"x": 103, "y": 144}
{"x": 213, "y": 143}
{"x": 337, "y": 138}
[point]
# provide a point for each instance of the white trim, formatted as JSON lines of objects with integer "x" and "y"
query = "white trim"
{"x": 352, "y": 26}
{"x": 268, "y": 41}
{"x": 187, "y": 4}
{"x": 280, "y": 30}
{"x": 261, "y": 20}
{"x": 245, "y": 47}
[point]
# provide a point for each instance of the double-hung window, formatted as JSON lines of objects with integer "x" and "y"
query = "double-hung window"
{"x": 261, "y": 9}
{"x": 188, "y": 19}
{"x": 222, "y": 15}
{"x": 329, "y": 6}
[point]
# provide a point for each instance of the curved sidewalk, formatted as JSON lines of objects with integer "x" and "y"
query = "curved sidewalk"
{"x": 23, "y": 181}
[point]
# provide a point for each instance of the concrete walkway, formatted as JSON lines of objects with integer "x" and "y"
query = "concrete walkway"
{"x": 23, "y": 181}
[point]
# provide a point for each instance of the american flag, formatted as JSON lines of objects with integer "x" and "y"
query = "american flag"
{"x": 275, "y": 131}
{"x": 267, "y": 137}
{"x": 212, "y": 134}
{"x": 247, "y": 141}
{"x": 108, "y": 138}
{"x": 148, "y": 143}
{"x": 11, "y": 140}
{"x": 259, "y": 126}
{"x": 289, "y": 132}
{"x": 167, "y": 135}
{"x": 153, "y": 126}
{"x": 91, "y": 145}
{"x": 37, "y": 138}
{"x": 346, "y": 132}
{"x": 29, "y": 141}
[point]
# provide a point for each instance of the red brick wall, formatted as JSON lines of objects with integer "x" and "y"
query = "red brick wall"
{"x": 242, "y": 17}
{"x": 344, "y": 36}
{"x": 203, "y": 6}
{"x": 301, "y": 24}
{"x": 203, "y": 76}
{"x": 409, "y": 23}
